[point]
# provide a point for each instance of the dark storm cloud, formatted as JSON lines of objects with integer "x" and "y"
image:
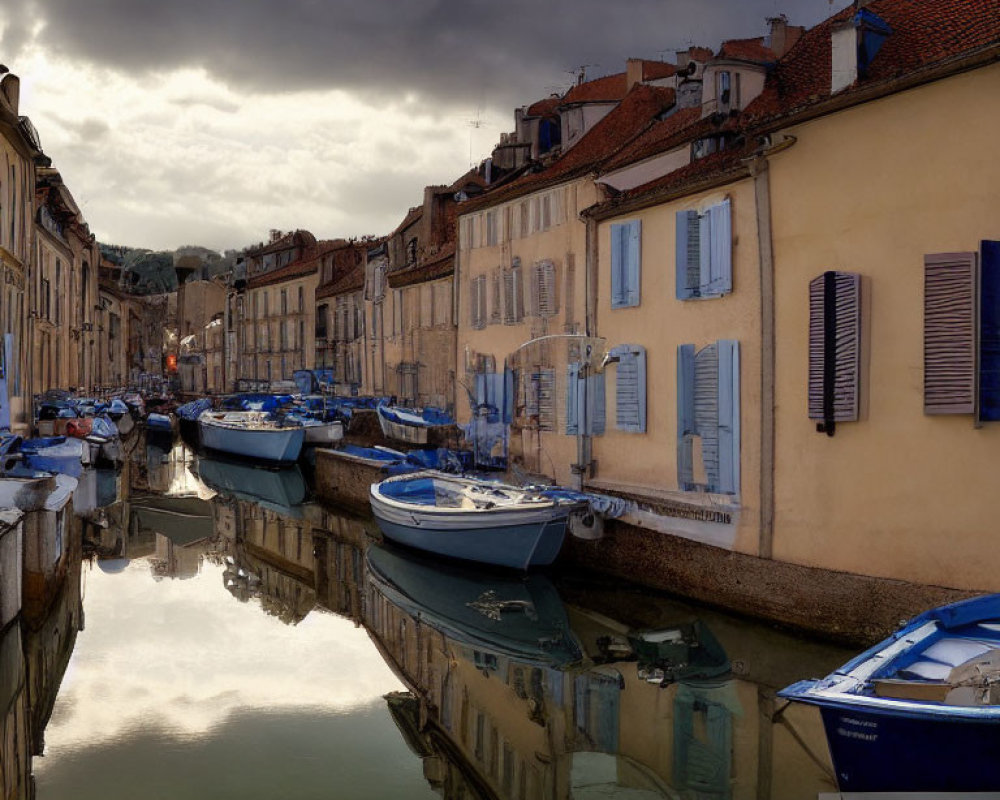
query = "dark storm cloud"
{"x": 458, "y": 52}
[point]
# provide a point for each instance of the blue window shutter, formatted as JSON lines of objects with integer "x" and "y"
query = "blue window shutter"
{"x": 633, "y": 266}
{"x": 721, "y": 259}
{"x": 482, "y": 392}
{"x": 989, "y": 331}
{"x": 687, "y": 248}
{"x": 572, "y": 399}
{"x": 619, "y": 258}
{"x": 596, "y": 404}
{"x": 508, "y": 395}
{"x": 704, "y": 254}
{"x": 630, "y": 388}
{"x": 685, "y": 415}
{"x": 706, "y": 411}
{"x": 729, "y": 416}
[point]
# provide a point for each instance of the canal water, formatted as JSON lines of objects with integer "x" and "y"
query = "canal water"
{"x": 222, "y": 636}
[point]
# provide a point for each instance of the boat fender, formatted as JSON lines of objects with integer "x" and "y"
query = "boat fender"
{"x": 585, "y": 524}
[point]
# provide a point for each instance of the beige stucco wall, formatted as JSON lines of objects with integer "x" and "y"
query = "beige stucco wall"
{"x": 871, "y": 190}
{"x": 660, "y": 323}
{"x": 262, "y": 350}
{"x": 549, "y": 452}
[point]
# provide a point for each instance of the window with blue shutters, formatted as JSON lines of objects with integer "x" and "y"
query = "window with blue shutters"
{"x": 708, "y": 409}
{"x": 626, "y": 260}
{"x": 704, "y": 252}
{"x": 630, "y": 388}
{"x": 585, "y": 401}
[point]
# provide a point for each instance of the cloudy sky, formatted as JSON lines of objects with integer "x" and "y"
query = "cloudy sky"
{"x": 212, "y": 121}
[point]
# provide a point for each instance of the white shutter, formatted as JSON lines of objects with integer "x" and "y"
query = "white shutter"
{"x": 950, "y": 335}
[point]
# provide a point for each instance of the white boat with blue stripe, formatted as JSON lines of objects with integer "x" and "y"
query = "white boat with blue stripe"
{"x": 250, "y": 434}
{"x": 472, "y": 519}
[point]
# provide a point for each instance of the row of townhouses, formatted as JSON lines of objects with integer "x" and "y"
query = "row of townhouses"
{"x": 63, "y": 319}
{"x": 752, "y": 291}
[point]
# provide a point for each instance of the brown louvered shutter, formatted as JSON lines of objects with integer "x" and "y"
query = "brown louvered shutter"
{"x": 834, "y": 348}
{"x": 950, "y": 333}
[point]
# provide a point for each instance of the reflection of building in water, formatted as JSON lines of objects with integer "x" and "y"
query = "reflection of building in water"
{"x": 182, "y": 532}
{"x": 35, "y": 644}
{"x": 648, "y": 708}
{"x": 49, "y": 642}
{"x": 269, "y": 557}
{"x": 15, "y": 732}
{"x": 291, "y": 558}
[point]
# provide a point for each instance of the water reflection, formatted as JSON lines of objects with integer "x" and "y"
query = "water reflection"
{"x": 499, "y": 686}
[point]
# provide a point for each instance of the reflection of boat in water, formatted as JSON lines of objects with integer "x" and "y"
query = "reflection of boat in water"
{"x": 920, "y": 711}
{"x": 181, "y": 519}
{"x": 280, "y": 490}
{"x": 519, "y": 617}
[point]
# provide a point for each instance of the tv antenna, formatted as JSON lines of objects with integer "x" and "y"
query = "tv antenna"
{"x": 474, "y": 124}
{"x": 580, "y": 73}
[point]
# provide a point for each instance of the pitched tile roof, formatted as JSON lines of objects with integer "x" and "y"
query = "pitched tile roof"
{"x": 439, "y": 265}
{"x": 609, "y": 89}
{"x": 306, "y": 265}
{"x": 543, "y": 107}
{"x": 681, "y": 126}
{"x": 752, "y": 50}
{"x": 657, "y": 70}
{"x": 924, "y": 33}
{"x": 634, "y": 114}
{"x": 352, "y": 281}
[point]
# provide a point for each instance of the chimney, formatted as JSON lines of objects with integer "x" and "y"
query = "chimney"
{"x": 633, "y": 72}
{"x": 854, "y": 44}
{"x": 275, "y": 235}
{"x": 783, "y": 36}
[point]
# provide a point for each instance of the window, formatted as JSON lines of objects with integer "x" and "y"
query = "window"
{"x": 585, "y": 402}
{"x": 708, "y": 410}
{"x": 321, "y": 311}
{"x": 834, "y": 349}
{"x": 962, "y": 333}
{"x": 539, "y": 399}
{"x": 625, "y": 263}
{"x": 513, "y": 295}
{"x": 541, "y": 297}
{"x": 496, "y": 297}
{"x": 630, "y": 388}
{"x": 302, "y": 304}
{"x": 477, "y": 302}
{"x": 492, "y": 227}
{"x": 704, "y": 252}
{"x": 284, "y": 302}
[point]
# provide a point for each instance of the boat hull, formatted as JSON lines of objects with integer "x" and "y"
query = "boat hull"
{"x": 327, "y": 433}
{"x": 279, "y": 446}
{"x": 879, "y": 752}
{"x": 517, "y": 540}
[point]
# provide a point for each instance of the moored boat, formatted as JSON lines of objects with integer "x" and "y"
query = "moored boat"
{"x": 472, "y": 519}
{"x": 919, "y": 711}
{"x": 415, "y": 425}
{"x": 187, "y": 417}
{"x": 250, "y": 434}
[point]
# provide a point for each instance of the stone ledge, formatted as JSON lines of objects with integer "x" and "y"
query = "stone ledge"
{"x": 839, "y": 606}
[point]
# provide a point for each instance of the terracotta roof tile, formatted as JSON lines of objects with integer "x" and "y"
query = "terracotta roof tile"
{"x": 630, "y": 117}
{"x": 608, "y": 89}
{"x": 439, "y": 265}
{"x": 681, "y": 126}
{"x": 752, "y": 50}
{"x": 657, "y": 70}
{"x": 924, "y": 33}
{"x": 544, "y": 107}
{"x": 350, "y": 282}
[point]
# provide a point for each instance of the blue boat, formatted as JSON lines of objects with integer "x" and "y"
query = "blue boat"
{"x": 60, "y": 454}
{"x": 187, "y": 417}
{"x": 415, "y": 425}
{"x": 919, "y": 711}
{"x": 472, "y": 519}
{"x": 251, "y": 434}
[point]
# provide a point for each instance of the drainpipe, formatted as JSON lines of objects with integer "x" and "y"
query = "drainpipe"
{"x": 758, "y": 166}
{"x": 584, "y": 466}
